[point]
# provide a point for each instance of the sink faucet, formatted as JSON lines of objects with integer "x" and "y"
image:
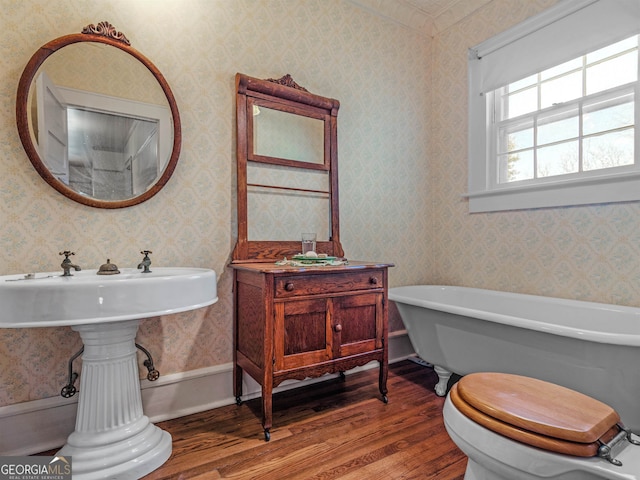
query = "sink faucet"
{"x": 67, "y": 265}
{"x": 146, "y": 261}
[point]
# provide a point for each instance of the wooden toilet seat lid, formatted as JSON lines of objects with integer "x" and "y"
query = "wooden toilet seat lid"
{"x": 535, "y": 412}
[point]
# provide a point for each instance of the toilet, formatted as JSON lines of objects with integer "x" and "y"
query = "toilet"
{"x": 519, "y": 428}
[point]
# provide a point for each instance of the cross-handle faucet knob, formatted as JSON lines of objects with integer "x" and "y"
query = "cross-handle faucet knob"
{"x": 146, "y": 261}
{"x": 67, "y": 265}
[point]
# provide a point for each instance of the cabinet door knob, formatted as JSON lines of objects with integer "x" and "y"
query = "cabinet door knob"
{"x": 338, "y": 328}
{"x": 373, "y": 280}
{"x": 288, "y": 286}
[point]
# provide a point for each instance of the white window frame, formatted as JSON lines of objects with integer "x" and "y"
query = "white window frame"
{"x": 603, "y": 22}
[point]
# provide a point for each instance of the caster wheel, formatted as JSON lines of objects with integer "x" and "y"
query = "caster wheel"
{"x": 385, "y": 399}
{"x": 238, "y": 401}
{"x": 267, "y": 435}
{"x": 153, "y": 375}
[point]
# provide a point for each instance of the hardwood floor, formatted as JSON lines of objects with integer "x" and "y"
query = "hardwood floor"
{"x": 337, "y": 429}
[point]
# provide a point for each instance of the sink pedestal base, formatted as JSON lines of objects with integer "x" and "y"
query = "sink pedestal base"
{"x": 113, "y": 438}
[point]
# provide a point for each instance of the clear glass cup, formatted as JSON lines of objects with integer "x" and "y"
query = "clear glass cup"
{"x": 308, "y": 243}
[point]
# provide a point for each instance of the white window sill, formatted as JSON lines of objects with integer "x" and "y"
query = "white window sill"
{"x": 594, "y": 190}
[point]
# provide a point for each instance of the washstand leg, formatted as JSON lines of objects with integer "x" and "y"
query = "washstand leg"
{"x": 237, "y": 383}
{"x": 382, "y": 381}
{"x": 267, "y": 410}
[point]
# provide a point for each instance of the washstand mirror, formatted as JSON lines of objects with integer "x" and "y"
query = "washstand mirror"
{"x": 287, "y": 169}
{"x": 97, "y": 119}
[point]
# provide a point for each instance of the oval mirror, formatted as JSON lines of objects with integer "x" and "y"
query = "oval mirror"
{"x": 97, "y": 119}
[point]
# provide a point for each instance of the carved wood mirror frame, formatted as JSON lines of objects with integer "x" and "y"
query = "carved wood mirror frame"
{"x": 104, "y": 34}
{"x": 285, "y": 95}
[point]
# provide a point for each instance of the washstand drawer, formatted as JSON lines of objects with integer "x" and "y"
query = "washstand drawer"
{"x": 298, "y": 285}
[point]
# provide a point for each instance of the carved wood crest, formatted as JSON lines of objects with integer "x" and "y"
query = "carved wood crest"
{"x": 287, "y": 81}
{"x": 106, "y": 30}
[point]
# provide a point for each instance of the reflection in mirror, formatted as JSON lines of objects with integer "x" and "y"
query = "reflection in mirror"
{"x": 285, "y": 135}
{"x": 111, "y": 156}
{"x": 97, "y": 120}
{"x": 283, "y": 200}
{"x": 110, "y": 149}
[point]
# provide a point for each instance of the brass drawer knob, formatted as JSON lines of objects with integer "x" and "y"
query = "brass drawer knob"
{"x": 288, "y": 286}
{"x": 338, "y": 328}
{"x": 373, "y": 280}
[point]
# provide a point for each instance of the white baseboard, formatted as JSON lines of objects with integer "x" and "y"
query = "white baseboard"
{"x": 41, "y": 425}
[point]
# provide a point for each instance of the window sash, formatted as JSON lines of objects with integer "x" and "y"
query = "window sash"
{"x": 578, "y": 109}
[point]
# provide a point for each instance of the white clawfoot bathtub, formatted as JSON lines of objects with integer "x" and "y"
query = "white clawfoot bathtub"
{"x": 590, "y": 347}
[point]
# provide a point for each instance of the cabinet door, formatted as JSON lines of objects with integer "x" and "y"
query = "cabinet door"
{"x": 357, "y": 324}
{"x": 302, "y": 333}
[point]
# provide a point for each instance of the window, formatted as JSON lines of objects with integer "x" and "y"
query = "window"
{"x": 571, "y": 119}
{"x": 553, "y": 122}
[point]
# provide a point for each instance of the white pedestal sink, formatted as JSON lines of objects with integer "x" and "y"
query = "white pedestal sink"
{"x": 113, "y": 439}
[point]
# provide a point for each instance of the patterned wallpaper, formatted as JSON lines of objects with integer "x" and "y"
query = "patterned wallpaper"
{"x": 377, "y": 69}
{"x": 586, "y": 252}
{"x": 402, "y": 155}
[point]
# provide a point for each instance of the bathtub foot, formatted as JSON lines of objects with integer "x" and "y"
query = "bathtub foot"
{"x": 443, "y": 380}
